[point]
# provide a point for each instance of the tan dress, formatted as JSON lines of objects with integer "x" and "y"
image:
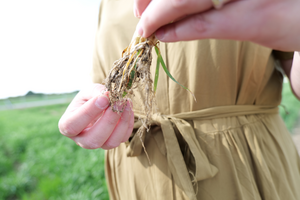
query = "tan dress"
{"x": 229, "y": 145}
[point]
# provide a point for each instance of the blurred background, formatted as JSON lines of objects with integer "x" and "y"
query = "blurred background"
{"x": 45, "y": 59}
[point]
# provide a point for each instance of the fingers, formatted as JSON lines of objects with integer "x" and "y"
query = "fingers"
{"x": 84, "y": 95}
{"x": 108, "y": 132}
{"x": 121, "y": 130}
{"x": 139, "y": 6}
{"x": 130, "y": 128}
{"x": 91, "y": 123}
{"x": 72, "y": 123}
{"x": 225, "y": 23}
{"x": 162, "y": 12}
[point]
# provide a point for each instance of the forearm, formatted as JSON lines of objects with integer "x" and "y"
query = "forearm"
{"x": 295, "y": 75}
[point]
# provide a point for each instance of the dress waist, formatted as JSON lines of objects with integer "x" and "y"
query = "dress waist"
{"x": 203, "y": 168}
{"x": 217, "y": 112}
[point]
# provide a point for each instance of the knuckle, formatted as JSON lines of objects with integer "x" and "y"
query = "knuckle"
{"x": 87, "y": 114}
{"x": 199, "y": 23}
{"x": 112, "y": 121}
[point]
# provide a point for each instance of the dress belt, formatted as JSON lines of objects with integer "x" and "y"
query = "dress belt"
{"x": 203, "y": 168}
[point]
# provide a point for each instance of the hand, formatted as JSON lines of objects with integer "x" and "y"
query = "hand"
{"x": 157, "y": 13}
{"x": 272, "y": 23}
{"x": 92, "y": 124}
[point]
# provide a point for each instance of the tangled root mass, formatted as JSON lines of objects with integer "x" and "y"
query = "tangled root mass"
{"x": 130, "y": 72}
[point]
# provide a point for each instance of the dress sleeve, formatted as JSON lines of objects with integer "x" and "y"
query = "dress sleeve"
{"x": 283, "y": 55}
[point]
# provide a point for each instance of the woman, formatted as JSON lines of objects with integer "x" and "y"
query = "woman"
{"x": 230, "y": 144}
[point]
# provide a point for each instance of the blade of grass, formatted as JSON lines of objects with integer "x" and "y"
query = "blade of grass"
{"x": 156, "y": 75}
{"x": 131, "y": 78}
{"x": 132, "y": 74}
{"x": 159, "y": 57}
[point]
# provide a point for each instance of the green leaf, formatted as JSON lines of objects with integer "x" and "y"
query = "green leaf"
{"x": 131, "y": 78}
{"x": 156, "y": 75}
{"x": 160, "y": 59}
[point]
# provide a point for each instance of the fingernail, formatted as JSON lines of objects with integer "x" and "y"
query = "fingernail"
{"x": 139, "y": 30}
{"x": 160, "y": 34}
{"x": 136, "y": 13}
{"x": 102, "y": 102}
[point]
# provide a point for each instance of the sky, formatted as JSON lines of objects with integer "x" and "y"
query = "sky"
{"x": 46, "y": 46}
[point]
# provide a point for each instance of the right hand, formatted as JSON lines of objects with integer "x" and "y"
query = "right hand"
{"x": 158, "y": 13}
{"x": 272, "y": 23}
{"x": 91, "y": 123}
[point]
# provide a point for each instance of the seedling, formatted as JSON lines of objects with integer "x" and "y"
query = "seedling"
{"x": 133, "y": 71}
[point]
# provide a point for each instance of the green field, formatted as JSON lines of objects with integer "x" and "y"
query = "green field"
{"x": 32, "y": 97}
{"x": 290, "y": 107}
{"x": 38, "y": 163}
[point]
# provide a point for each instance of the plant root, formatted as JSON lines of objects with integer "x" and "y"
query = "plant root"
{"x": 132, "y": 71}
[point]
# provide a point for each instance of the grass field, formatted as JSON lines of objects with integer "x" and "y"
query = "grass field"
{"x": 32, "y": 97}
{"x": 290, "y": 107}
{"x": 38, "y": 163}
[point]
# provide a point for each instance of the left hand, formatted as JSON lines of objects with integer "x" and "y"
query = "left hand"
{"x": 92, "y": 123}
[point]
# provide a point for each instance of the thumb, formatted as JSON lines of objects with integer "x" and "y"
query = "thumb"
{"x": 73, "y": 122}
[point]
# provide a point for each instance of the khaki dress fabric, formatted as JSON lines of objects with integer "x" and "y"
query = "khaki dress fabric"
{"x": 229, "y": 145}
